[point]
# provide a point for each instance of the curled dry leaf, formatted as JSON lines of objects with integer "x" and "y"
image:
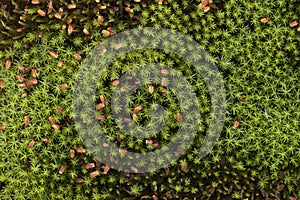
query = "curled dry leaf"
{"x": 122, "y": 150}
{"x": 31, "y": 144}
{"x": 52, "y": 120}
{"x": 236, "y": 124}
{"x": 134, "y": 116}
{"x": 102, "y": 99}
{"x": 293, "y": 24}
{"x": 102, "y": 7}
{"x": 22, "y": 19}
{"x": 63, "y": 27}
{"x": 154, "y": 197}
{"x": 103, "y": 49}
{"x": 8, "y": 64}
{"x": 164, "y": 82}
{"x": 100, "y": 19}
{"x": 207, "y": 8}
{"x": 72, "y": 153}
{"x": 41, "y": 12}
{"x": 22, "y": 85}
{"x": 160, "y": 2}
{"x": 137, "y": 1}
{"x": 1, "y": 84}
{"x": 179, "y": 117}
{"x": 45, "y": 140}
{"x": 184, "y": 168}
{"x": 155, "y": 145}
{"x": 165, "y": 71}
{"x": 62, "y": 169}
{"x": 19, "y": 30}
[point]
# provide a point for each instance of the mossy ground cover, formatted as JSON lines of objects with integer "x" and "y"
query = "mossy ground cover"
{"x": 255, "y": 46}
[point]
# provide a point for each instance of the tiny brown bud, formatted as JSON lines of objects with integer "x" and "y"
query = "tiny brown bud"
{"x": 100, "y": 106}
{"x": 165, "y": 71}
{"x": 105, "y": 145}
{"x": 19, "y": 30}
{"x": 72, "y": 153}
{"x": 41, "y": 12}
{"x": 101, "y": 117}
{"x": 134, "y": 116}
{"x": 293, "y": 24}
{"x": 122, "y": 150}
{"x": 115, "y": 82}
{"x": 63, "y": 27}
{"x": 103, "y": 49}
{"x": 59, "y": 109}
{"x": 164, "y": 82}
{"x": 109, "y": 29}
{"x": 164, "y": 90}
{"x": 100, "y": 20}
{"x": 20, "y": 78}
{"x": 207, "y": 8}
{"x": 71, "y": 6}
{"x": 2, "y": 128}
{"x": 154, "y": 197}
{"x": 94, "y": 174}
{"x": 52, "y": 120}
{"x": 56, "y": 126}
{"x": 50, "y": 7}
{"x": 183, "y": 168}
{"x": 8, "y": 64}
{"x": 70, "y": 29}
{"x": 102, "y": 7}
{"x": 22, "y": 19}
{"x": 160, "y": 2}
{"x": 151, "y": 89}
{"x": 137, "y": 109}
{"x": 179, "y": 117}
{"x": 32, "y": 82}
{"x": 57, "y": 15}
{"x": 34, "y": 73}
{"x": 167, "y": 171}
{"x": 63, "y": 86}
{"x": 31, "y": 144}
{"x": 45, "y": 140}
{"x": 264, "y": 20}
{"x": 77, "y": 56}
{"x": 22, "y": 85}
{"x": 90, "y": 166}
{"x": 134, "y": 169}
{"x": 79, "y": 180}
{"x": 80, "y": 150}
{"x": 298, "y": 29}
{"x": 62, "y": 169}
{"x": 102, "y": 99}
{"x": 137, "y": 1}
{"x": 1, "y": 84}
{"x": 61, "y": 9}
{"x": 85, "y": 31}
{"x": 155, "y": 145}
{"x": 53, "y": 54}
{"x": 149, "y": 141}
{"x": 24, "y": 95}
{"x": 60, "y": 64}
{"x": 128, "y": 9}
{"x": 236, "y": 124}
{"x": 106, "y": 169}
{"x": 105, "y": 33}
{"x": 35, "y": 1}
{"x": 26, "y": 120}
{"x": 117, "y": 46}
